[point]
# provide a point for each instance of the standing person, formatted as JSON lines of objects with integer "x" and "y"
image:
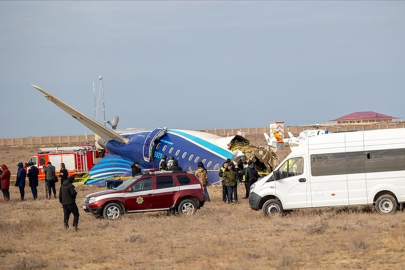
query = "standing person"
{"x": 201, "y": 174}
{"x": 230, "y": 178}
{"x": 20, "y": 182}
{"x": 251, "y": 176}
{"x": 235, "y": 187}
{"x": 245, "y": 167}
{"x": 170, "y": 163}
{"x": 221, "y": 176}
{"x": 49, "y": 171}
{"x": 136, "y": 169}
{"x": 5, "y": 182}
{"x": 175, "y": 166}
{"x": 33, "y": 179}
{"x": 162, "y": 163}
{"x": 67, "y": 197}
{"x": 63, "y": 173}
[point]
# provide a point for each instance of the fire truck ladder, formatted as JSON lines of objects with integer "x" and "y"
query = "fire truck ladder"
{"x": 149, "y": 144}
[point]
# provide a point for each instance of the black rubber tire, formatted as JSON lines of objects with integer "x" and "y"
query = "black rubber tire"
{"x": 112, "y": 211}
{"x": 272, "y": 208}
{"x": 187, "y": 207}
{"x": 386, "y": 204}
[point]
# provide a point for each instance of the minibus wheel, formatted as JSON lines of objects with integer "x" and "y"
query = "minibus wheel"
{"x": 386, "y": 204}
{"x": 272, "y": 208}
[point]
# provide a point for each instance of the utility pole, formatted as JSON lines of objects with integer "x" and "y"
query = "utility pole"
{"x": 102, "y": 91}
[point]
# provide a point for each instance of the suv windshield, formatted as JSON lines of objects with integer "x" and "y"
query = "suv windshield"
{"x": 127, "y": 183}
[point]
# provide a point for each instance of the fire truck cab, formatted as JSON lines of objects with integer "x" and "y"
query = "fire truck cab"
{"x": 78, "y": 159}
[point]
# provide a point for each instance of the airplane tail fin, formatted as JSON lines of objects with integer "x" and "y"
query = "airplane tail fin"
{"x": 290, "y": 134}
{"x": 97, "y": 128}
{"x": 268, "y": 139}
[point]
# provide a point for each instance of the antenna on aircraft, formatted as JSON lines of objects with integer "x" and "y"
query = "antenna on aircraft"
{"x": 102, "y": 91}
{"x": 114, "y": 123}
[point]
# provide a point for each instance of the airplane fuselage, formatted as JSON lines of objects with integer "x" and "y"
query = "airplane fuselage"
{"x": 188, "y": 147}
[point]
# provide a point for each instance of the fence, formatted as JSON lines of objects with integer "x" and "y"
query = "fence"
{"x": 80, "y": 139}
{"x": 48, "y": 140}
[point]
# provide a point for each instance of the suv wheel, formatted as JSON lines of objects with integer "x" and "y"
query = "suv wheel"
{"x": 112, "y": 211}
{"x": 187, "y": 207}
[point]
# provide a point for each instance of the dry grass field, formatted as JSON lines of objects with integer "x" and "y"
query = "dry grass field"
{"x": 218, "y": 236}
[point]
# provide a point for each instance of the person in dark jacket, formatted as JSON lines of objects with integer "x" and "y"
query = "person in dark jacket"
{"x": 251, "y": 176}
{"x": 175, "y": 166}
{"x": 49, "y": 171}
{"x": 5, "y": 182}
{"x": 247, "y": 187}
{"x": 67, "y": 197}
{"x": 20, "y": 182}
{"x": 63, "y": 173}
{"x": 136, "y": 169}
{"x": 33, "y": 179}
{"x": 163, "y": 164}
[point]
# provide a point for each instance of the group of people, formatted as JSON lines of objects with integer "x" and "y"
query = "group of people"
{"x": 67, "y": 192}
{"x": 232, "y": 175}
{"x": 171, "y": 165}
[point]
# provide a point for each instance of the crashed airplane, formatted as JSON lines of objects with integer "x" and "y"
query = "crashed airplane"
{"x": 148, "y": 147}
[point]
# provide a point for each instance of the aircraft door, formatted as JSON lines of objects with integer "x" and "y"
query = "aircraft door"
{"x": 292, "y": 183}
{"x": 140, "y": 195}
{"x": 149, "y": 143}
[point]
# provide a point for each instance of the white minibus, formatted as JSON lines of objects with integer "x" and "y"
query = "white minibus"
{"x": 337, "y": 169}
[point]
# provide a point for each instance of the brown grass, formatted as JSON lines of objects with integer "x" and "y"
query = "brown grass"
{"x": 218, "y": 236}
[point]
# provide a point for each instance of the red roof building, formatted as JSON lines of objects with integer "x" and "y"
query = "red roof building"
{"x": 364, "y": 117}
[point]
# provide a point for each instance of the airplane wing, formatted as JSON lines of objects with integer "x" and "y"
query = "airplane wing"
{"x": 104, "y": 132}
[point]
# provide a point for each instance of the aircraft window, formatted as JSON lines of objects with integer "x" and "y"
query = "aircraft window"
{"x": 191, "y": 157}
{"x": 177, "y": 153}
{"x": 196, "y": 159}
{"x": 216, "y": 167}
{"x": 209, "y": 164}
{"x": 157, "y": 146}
{"x": 171, "y": 150}
{"x": 203, "y": 161}
{"x": 164, "y": 148}
{"x": 184, "y": 155}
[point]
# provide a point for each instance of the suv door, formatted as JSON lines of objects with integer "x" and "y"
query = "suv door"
{"x": 140, "y": 195}
{"x": 165, "y": 190}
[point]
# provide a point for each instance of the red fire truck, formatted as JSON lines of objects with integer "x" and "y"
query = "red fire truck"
{"x": 78, "y": 159}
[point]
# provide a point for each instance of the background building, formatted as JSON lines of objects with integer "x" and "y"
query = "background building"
{"x": 364, "y": 117}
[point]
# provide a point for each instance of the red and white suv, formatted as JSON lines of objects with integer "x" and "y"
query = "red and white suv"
{"x": 156, "y": 191}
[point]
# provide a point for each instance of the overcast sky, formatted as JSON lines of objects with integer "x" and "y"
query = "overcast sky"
{"x": 199, "y": 65}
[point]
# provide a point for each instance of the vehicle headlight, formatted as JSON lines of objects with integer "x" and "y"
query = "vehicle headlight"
{"x": 92, "y": 200}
